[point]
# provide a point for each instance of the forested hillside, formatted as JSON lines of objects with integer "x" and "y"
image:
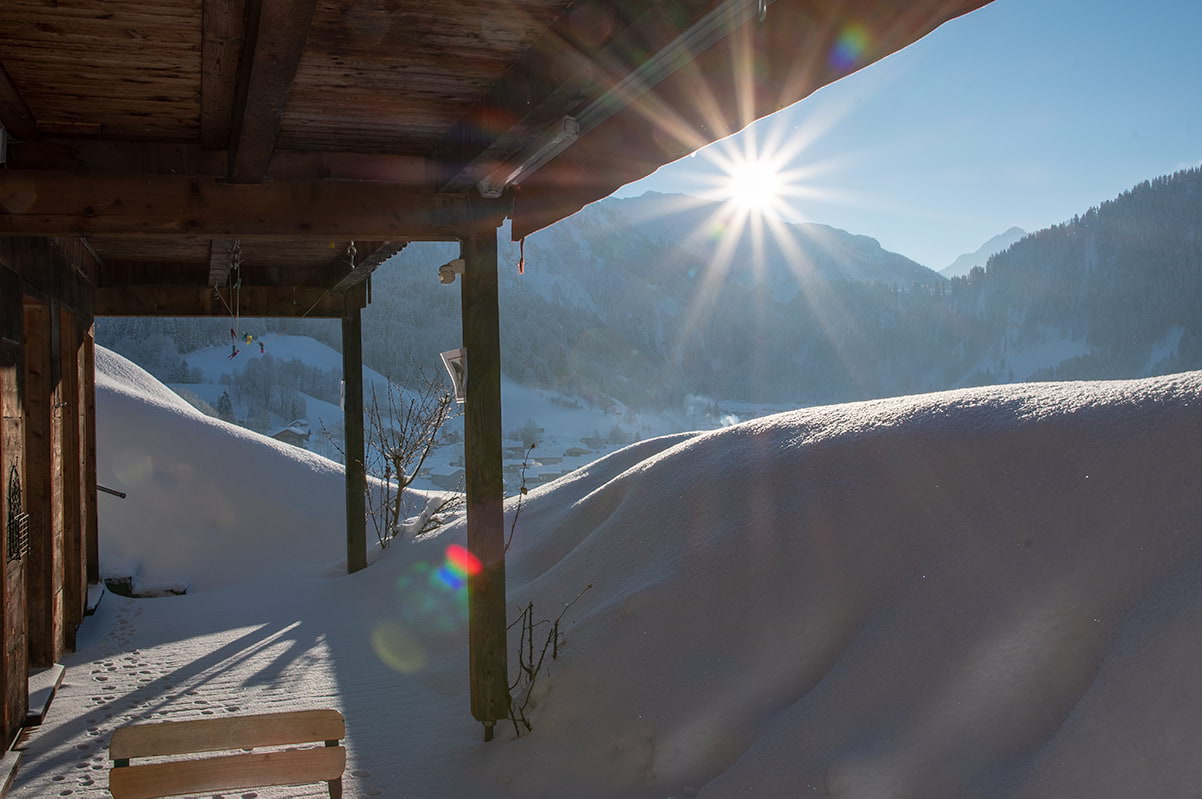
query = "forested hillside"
{"x": 1124, "y": 279}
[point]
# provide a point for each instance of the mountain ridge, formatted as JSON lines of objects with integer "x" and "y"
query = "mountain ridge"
{"x": 980, "y": 256}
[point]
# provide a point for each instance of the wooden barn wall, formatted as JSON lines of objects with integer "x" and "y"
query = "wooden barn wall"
{"x": 45, "y": 593}
{"x": 14, "y": 666}
{"x": 47, "y": 383}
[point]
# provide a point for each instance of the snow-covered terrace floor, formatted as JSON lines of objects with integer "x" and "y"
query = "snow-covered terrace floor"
{"x": 127, "y": 670}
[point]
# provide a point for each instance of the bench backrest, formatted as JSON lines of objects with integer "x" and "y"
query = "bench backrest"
{"x": 223, "y": 772}
{"x": 230, "y": 732}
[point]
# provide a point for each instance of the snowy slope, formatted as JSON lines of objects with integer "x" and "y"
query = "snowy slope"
{"x": 209, "y": 503}
{"x": 987, "y": 592}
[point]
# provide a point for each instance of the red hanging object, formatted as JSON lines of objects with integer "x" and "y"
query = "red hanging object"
{"x": 522, "y": 256}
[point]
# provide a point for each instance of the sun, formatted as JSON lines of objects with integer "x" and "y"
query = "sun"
{"x": 754, "y": 185}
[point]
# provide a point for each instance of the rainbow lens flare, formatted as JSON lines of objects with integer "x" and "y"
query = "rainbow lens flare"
{"x": 849, "y": 47}
{"x": 460, "y": 565}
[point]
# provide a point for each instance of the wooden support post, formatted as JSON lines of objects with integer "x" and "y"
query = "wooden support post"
{"x": 44, "y": 575}
{"x": 75, "y": 583}
{"x": 352, "y": 414}
{"x": 87, "y": 421}
{"x": 485, "y": 480}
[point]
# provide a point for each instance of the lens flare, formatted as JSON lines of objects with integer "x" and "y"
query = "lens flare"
{"x": 460, "y": 565}
{"x": 849, "y": 47}
{"x": 397, "y": 648}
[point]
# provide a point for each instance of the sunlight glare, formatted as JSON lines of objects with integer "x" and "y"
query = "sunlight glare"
{"x": 754, "y": 185}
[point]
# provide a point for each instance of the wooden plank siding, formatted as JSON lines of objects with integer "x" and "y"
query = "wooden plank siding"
{"x": 45, "y": 570}
{"x": 14, "y": 666}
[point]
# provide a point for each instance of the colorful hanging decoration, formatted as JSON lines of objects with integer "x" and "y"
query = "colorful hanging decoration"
{"x": 235, "y": 283}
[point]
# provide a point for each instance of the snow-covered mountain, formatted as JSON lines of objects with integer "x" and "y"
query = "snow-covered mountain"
{"x": 649, "y": 300}
{"x": 993, "y": 592}
{"x": 964, "y": 264}
{"x": 651, "y": 304}
{"x": 785, "y": 255}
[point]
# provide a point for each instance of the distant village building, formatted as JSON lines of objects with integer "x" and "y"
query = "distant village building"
{"x": 296, "y": 433}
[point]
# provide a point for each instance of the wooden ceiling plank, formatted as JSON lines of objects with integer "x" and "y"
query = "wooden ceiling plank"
{"x": 275, "y": 40}
{"x": 556, "y": 76}
{"x": 44, "y": 203}
{"x": 15, "y": 116}
{"x": 223, "y": 28}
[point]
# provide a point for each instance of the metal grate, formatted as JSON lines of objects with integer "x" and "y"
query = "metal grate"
{"x": 18, "y": 522}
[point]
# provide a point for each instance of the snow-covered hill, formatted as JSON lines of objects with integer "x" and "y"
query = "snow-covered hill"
{"x": 208, "y": 503}
{"x": 569, "y": 431}
{"x": 991, "y": 592}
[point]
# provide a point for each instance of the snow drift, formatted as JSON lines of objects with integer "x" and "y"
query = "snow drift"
{"x": 987, "y": 592}
{"x": 208, "y": 503}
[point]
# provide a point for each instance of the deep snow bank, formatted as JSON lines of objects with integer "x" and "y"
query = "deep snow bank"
{"x": 209, "y": 503}
{"x": 989, "y": 592}
{"x": 986, "y": 592}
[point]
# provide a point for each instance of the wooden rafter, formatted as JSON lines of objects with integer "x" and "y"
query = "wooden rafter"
{"x": 274, "y": 42}
{"x": 376, "y": 253}
{"x": 15, "y": 116}
{"x": 222, "y": 31}
{"x": 38, "y": 203}
{"x": 219, "y": 261}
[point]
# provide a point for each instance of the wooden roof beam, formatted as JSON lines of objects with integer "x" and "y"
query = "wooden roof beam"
{"x": 182, "y": 158}
{"x": 223, "y": 27}
{"x": 253, "y": 301}
{"x": 274, "y": 42}
{"x": 15, "y": 116}
{"x": 45, "y": 203}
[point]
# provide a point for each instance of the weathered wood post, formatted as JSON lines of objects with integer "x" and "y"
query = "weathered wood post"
{"x": 68, "y": 476}
{"x": 87, "y": 437}
{"x": 352, "y": 415}
{"x": 44, "y": 570}
{"x": 485, "y": 481}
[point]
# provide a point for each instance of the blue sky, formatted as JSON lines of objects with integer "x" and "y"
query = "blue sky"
{"x": 1023, "y": 113}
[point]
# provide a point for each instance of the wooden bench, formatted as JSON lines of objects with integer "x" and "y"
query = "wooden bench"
{"x": 228, "y": 771}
